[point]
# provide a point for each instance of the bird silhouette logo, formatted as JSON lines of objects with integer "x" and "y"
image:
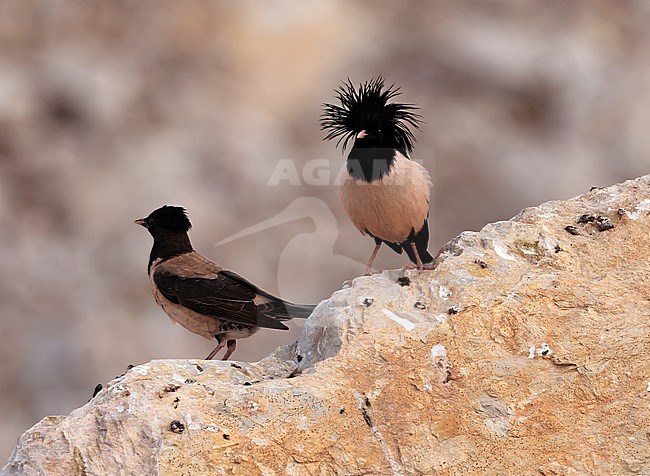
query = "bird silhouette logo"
{"x": 297, "y": 256}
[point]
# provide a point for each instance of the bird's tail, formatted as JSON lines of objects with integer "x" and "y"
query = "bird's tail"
{"x": 283, "y": 310}
{"x": 421, "y": 241}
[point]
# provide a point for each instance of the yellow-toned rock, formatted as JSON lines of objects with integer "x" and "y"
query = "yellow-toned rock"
{"x": 526, "y": 351}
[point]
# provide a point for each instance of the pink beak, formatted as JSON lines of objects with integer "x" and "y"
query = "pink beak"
{"x": 362, "y": 134}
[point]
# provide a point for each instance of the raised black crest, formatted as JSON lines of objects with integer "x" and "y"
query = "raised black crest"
{"x": 367, "y": 108}
{"x": 169, "y": 218}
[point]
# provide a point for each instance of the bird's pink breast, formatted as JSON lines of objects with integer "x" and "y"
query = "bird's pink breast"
{"x": 391, "y": 207}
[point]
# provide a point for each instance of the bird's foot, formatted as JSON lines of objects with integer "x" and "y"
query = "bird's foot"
{"x": 370, "y": 271}
{"x": 423, "y": 267}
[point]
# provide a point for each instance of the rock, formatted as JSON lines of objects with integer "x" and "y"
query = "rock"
{"x": 524, "y": 352}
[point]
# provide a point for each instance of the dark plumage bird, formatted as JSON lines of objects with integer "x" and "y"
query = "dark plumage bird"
{"x": 385, "y": 193}
{"x": 203, "y": 297}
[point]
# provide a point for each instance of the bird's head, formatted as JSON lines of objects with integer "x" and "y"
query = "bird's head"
{"x": 166, "y": 219}
{"x": 366, "y": 116}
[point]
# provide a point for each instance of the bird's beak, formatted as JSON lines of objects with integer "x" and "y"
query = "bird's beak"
{"x": 140, "y": 221}
{"x": 362, "y": 134}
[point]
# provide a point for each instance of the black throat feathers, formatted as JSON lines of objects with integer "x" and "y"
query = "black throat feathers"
{"x": 370, "y": 163}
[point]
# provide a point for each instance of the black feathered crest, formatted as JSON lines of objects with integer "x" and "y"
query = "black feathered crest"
{"x": 170, "y": 218}
{"x": 367, "y": 108}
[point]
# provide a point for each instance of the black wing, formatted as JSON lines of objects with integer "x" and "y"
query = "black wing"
{"x": 275, "y": 308}
{"x": 223, "y": 297}
{"x": 421, "y": 240}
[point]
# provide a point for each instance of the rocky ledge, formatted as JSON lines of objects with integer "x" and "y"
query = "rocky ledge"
{"x": 526, "y": 351}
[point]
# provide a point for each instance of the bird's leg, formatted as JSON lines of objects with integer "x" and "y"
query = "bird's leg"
{"x": 369, "y": 270}
{"x": 417, "y": 256}
{"x": 221, "y": 344}
{"x": 232, "y": 345}
{"x": 419, "y": 264}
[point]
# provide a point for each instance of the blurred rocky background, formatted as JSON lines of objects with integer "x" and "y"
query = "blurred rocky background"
{"x": 111, "y": 109}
